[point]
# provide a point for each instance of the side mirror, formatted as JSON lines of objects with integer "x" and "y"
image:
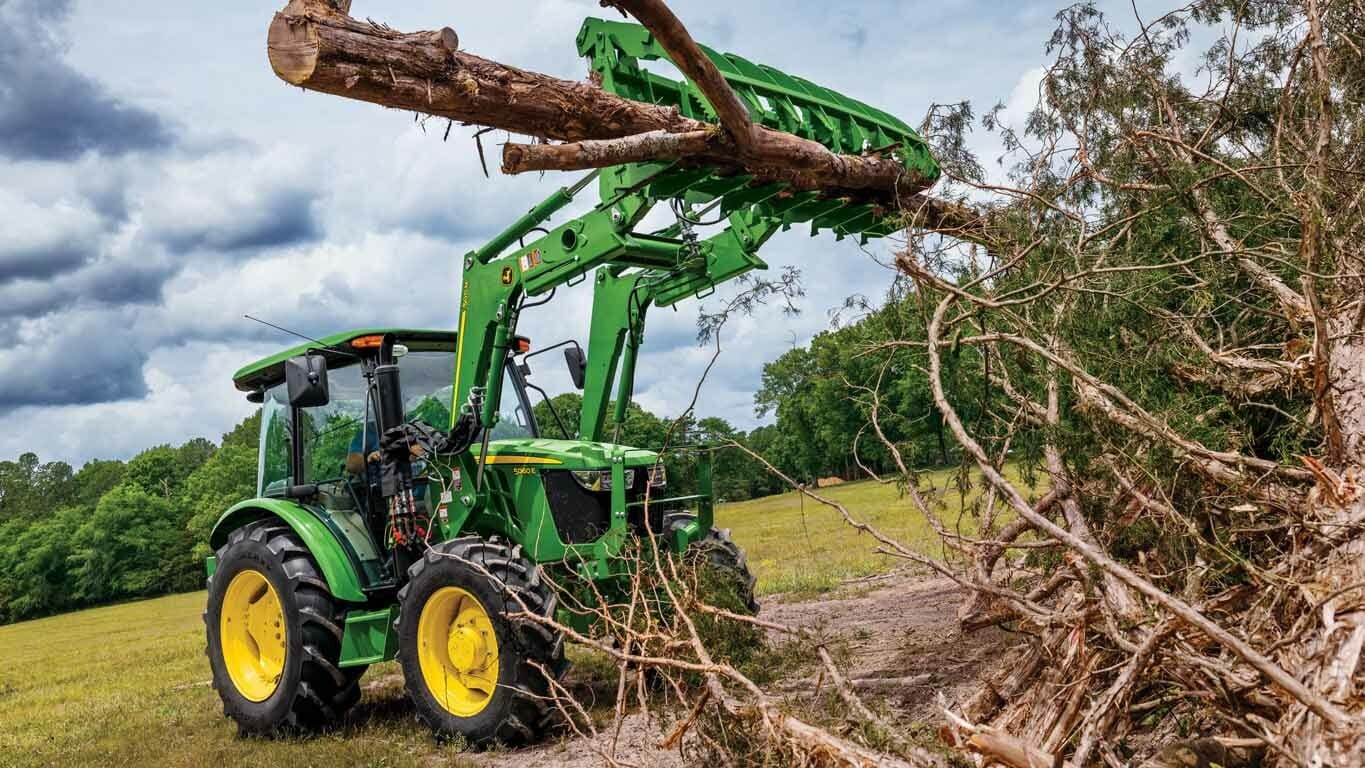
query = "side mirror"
{"x": 578, "y": 365}
{"x": 306, "y": 379}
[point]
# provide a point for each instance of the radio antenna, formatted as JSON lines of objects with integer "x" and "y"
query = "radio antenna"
{"x": 332, "y": 347}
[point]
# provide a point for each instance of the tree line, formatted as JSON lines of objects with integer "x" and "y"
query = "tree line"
{"x": 116, "y": 530}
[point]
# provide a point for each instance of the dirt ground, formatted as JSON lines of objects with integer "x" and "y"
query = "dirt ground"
{"x": 900, "y": 628}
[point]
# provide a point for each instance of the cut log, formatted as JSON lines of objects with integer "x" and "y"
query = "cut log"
{"x": 314, "y": 44}
{"x": 581, "y": 155}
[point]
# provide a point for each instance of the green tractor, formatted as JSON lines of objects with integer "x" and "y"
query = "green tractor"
{"x": 409, "y": 504}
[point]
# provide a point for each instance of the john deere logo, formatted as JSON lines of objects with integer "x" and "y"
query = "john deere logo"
{"x": 506, "y": 275}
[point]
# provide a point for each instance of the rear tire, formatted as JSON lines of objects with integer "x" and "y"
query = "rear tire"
{"x": 718, "y": 553}
{"x": 275, "y": 682}
{"x": 472, "y": 669}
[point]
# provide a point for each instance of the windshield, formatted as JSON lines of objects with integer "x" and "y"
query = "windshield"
{"x": 345, "y": 424}
{"x": 427, "y": 387}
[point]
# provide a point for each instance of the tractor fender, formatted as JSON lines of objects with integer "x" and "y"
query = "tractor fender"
{"x": 331, "y": 556}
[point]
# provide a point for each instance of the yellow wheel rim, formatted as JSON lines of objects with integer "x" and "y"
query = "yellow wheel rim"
{"x": 457, "y": 650}
{"x": 252, "y": 632}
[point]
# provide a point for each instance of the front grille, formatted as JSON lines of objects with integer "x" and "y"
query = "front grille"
{"x": 580, "y": 516}
{"x": 583, "y": 516}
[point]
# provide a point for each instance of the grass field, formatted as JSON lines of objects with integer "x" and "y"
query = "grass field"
{"x": 798, "y": 545}
{"x": 128, "y": 684}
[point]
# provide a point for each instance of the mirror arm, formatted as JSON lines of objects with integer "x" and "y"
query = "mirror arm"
{"x": 568, "y": 343}
{"x": 553, "y": 411}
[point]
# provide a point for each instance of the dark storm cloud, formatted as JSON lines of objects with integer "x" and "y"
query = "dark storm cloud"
{"x": 99, "y": 284}
{"x": 84, "y": 362}
{"x": 49, "y": 111}
{"x": 117, "y": 284}
{"x": 44, "y": 262}
{"x": 107, "y": 191}
{"x": 279, "y": 218}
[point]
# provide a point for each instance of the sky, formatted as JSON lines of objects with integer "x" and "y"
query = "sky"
{"x": 158, "y": 182}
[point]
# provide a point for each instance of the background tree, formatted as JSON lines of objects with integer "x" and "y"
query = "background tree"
{"x": 113, "y": 531}
{"x": 227, "y": 477}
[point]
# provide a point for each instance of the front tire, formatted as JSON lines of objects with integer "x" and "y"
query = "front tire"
{"x": 721, "y": 557}
{"x": 274, "y": 635}
{"x": 472, "y": 668}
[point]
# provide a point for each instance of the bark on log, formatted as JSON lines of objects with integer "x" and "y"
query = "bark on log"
{"x": 314, "y": 44}
{"x": 582, "y": 155}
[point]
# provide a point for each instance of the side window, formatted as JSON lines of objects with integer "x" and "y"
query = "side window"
{"x": 333, "y": 430}
{"x": 328, "y": 432}
{"x": 427, "y": 386}
{"x": 513, "y": 420}
{"x": 273, "y": 470}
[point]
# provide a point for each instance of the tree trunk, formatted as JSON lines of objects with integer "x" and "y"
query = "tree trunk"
{"x": 1329, "y": 659}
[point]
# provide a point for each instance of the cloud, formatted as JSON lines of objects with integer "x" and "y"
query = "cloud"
{"x": 44, "y": 240}
{"x": 115, "y": 277}
{"x": 388, "y": 278}
{"x": 188, "y": 393}
{"x": 88, "y": 358}
{"x": 227, "y": 211}
{"x": 101, "y": 231}
{"x": 318, "y": 213}
{"x": 50, "y": 111}
{"x": 414, "y": 182}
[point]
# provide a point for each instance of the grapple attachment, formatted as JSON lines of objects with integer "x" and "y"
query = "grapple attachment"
{"x": 618, "y": 53}
{"x": 635, "y": 270}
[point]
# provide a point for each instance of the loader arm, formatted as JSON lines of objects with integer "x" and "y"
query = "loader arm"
{"x": 633, "y": 271}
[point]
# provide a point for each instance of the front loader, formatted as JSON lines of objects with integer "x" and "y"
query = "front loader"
{"x": 409, "y": 504}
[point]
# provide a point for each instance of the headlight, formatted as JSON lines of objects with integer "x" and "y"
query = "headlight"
{"x": 599, "y": 480}
{"x": 658, "y": 477}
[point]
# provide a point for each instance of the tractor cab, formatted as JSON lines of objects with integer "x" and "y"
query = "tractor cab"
{"x": 333, "y": 434}
{"x": 320, "y": 452}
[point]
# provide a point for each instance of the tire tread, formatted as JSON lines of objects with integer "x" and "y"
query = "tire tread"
{"x": 324, "y": 691}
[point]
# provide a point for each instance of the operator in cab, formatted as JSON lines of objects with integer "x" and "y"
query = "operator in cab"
{"x": 364, "y": 452}
{"x": 363, "y": 458}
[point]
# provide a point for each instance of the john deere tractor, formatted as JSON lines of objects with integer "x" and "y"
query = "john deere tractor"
{"x": 409, "y": 504}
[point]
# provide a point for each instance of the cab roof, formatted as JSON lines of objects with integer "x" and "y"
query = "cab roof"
{"x": 337, "y": 349}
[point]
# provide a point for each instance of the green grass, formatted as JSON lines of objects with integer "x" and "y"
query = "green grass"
{"x": 128, "y": 684}
{"x": 797, "y": 545}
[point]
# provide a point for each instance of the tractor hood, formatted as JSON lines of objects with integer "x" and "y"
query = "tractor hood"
{"x": 564, "y": 454}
